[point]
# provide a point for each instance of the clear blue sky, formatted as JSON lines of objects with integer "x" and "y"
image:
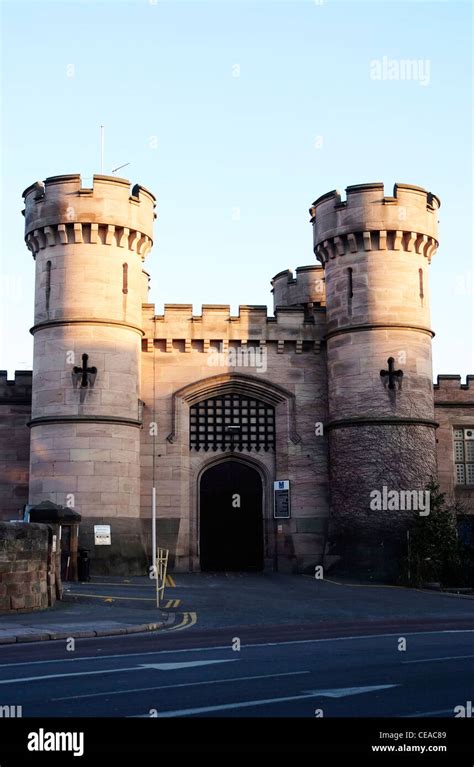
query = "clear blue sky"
{"x": 160, "y": 77}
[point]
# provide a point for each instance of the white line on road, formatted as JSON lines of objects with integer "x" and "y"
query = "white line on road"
{"x": 431, "y": 660}
{"x": 226, "y": 647}
{"x": 428, "y": 713}
{"x": 138, "y": 667}
{"x": 185, "y": 684}
{"x": 266, "y": 701}
{"x": 186, "y": 664}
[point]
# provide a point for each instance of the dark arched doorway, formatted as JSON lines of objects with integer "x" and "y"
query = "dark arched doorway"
{"x": 231, "y": 524}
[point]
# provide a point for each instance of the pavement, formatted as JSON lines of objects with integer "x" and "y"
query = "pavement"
{"x": 79, "y": 616}
{"x": 110, "y": 606}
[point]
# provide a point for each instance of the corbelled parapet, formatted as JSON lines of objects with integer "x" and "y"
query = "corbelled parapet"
{"x": 290, "y": 325}
{"x": 368, "y": 220}
{"x": 304, "y": 287}
{"x": 60, "y": 210}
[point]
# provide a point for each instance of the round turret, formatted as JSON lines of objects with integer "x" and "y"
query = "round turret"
{"x": 375, "y": 251}
{"x": 303, "y": 288}
{"x": 89, "y": 245}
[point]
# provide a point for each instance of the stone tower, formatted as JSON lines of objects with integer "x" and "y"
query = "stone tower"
{"x": 375, "y": 250}
{"x": 89, "y": 245}
{"x": 304, "y": 288}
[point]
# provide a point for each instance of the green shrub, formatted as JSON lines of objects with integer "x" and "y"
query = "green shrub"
{"x": 435, "y": 553}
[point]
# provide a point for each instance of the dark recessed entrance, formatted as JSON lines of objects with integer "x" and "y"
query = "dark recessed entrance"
{"x": 231, "y": 529}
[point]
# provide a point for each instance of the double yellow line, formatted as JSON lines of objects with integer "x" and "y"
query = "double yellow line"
{"x": 172, "y": 603}
{"x": 189, "y": 619}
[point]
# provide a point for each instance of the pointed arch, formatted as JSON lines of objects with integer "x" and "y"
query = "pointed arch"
{"x": 230, "y": 383}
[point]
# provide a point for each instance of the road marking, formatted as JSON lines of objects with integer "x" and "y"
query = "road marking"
{"x": 186, "y": 664}
{"x": 428, "y": 713}
{"x": 106, "y": 597}
{"x": 118, "y": 585}
{"x": 431, "y": 660}
{"x": 62, "y": 676}
{"x": 266, "y": 701}
{"x": 189, "y": 619}
{"x": 138, "y": 667}
{"x": 171, "y": 603}
{"x": 223, "y": 647}
{"x": 345, "y": 692}
{"x": 389, "y": 586}
{"x": 183, "y": 622}
{"x": 184, "y": 684}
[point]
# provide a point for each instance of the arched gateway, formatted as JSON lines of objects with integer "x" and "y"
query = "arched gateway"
{"x": 231, "y": 519}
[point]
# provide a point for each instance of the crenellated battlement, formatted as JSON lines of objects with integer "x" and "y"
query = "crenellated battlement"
{"x": 60, "y": 210}
{"x": 16, "y": 390}
{"x": 178, "y": 323}
{"x": 304, "y": 287}
{"x": 452, "y": 383}
{"x": 369, "y": 220}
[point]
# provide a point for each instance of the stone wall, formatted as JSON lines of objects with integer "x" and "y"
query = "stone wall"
{"x": 454, "y": 409}
{"x": 368, "y": 458}
{"x": 179, "y": 368}
{"x": 28, "y": 567}
{"x": 15, "y": 412}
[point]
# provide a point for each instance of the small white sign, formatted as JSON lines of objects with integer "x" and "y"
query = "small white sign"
{"x": 102, "y": 535}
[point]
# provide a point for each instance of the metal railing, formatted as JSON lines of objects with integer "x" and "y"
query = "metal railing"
{"x": 161, "y": 569}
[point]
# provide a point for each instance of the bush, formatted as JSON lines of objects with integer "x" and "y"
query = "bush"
{"x": 435, "y": 554}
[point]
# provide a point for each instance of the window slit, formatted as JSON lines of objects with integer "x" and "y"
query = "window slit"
{"x": 125, "y": 278}
{"x": 350, "y": 291}
{"x": 48, "y": 284}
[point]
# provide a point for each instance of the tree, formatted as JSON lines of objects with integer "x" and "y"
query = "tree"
{"x": 434, "y": 546}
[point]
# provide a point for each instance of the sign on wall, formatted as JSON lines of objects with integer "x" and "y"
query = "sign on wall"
{"x": 102, "y": 535}
{"x": 282, "y": 503}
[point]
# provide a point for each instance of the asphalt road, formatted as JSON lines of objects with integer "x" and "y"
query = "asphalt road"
{"x": 194, "y": 675}
{"x": 216, "y": 600}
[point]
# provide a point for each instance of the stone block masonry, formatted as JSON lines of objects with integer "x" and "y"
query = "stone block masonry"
{"x": 15, "y": 412}
{"x": 333, "y": 391}
{"x": 27, "y": 567}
